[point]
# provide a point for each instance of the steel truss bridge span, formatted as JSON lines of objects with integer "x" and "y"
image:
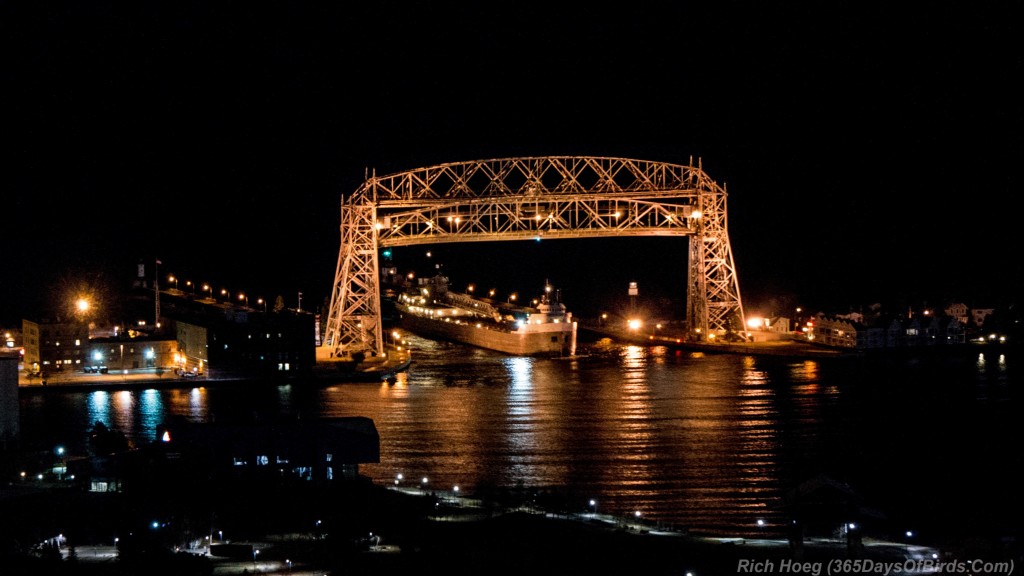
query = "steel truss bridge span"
{"x": 522, "y": 198}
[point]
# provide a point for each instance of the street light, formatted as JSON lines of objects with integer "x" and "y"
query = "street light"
{"x": 208, "y": 288}
{"x": 173, "y": 278}
{"x": 262, "y": 302}
{"x": 63, "y": 463}
{"x": 243, "y": 298}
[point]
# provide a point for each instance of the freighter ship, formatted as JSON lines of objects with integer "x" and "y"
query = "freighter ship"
{"x": 431, "y": 310}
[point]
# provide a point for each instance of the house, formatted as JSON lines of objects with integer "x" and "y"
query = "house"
{"x": 833, "y": 332}
{"x": 894, "y": 331}
{"x": 958, "y": 310}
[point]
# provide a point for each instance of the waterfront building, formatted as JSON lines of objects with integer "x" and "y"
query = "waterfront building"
{"x": 897, "y": 331}
{"x": 182, "y": 333}
{"x": 53, "y": 347}
{"x": 131, "y": 353}
{"x": 322, "y": 449}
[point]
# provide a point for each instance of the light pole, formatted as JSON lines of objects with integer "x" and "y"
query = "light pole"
{"x": 243, "y": 298}
{"x": 63, "y": 463}
{"x": 173, "y": 278}
{"x": 262, "y": 302}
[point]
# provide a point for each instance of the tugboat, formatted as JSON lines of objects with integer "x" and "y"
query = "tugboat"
{"x": 431, "y": 310}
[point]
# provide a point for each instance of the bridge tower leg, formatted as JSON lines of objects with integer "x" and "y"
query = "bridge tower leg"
{"x": 713, "y": 290}
{"x": 354, "y": 320}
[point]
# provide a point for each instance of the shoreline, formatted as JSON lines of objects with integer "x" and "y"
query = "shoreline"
{"x": 328, "y": 373}
{"x": 417, "y": 530}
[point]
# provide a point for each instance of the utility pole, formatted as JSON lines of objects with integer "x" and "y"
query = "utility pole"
{"x": 156, "y": 296}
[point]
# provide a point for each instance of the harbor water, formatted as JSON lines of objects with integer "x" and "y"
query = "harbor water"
{"x": 710, "y": 443}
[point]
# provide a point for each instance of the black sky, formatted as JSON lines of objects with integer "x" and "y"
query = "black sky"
{"x": 869, "y": 154}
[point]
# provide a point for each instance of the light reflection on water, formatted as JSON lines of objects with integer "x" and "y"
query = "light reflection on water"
{"x": 706, "y": 441}
{"x": 99, "y": 407}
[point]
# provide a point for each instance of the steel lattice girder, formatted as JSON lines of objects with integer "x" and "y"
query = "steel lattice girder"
{"x": 354, "y": 323}
{"x": 517, "y": 198}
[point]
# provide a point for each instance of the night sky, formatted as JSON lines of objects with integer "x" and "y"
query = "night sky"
{"x": 870, "y": 155}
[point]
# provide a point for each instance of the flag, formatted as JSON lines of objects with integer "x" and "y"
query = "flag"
{"x": 159, "y": 262}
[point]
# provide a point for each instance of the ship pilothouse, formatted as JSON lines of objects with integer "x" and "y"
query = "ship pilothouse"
{"x": 549, "y": 310}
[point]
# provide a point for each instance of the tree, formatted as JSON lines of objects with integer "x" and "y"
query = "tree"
{"x": 104, "y": 441}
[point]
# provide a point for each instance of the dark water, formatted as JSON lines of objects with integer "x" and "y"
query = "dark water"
{"x": 709, "y": 442}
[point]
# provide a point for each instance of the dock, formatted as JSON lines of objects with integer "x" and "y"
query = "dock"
{"x": 784, "y": 347}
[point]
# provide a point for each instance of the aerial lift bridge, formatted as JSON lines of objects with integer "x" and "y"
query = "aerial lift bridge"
{"x": 523, "y": 198}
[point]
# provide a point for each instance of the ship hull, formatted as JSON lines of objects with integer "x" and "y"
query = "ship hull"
{"x": 556, "y": 340}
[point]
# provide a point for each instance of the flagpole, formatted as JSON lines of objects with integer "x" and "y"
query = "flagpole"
{"x": 300, "y": 302}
